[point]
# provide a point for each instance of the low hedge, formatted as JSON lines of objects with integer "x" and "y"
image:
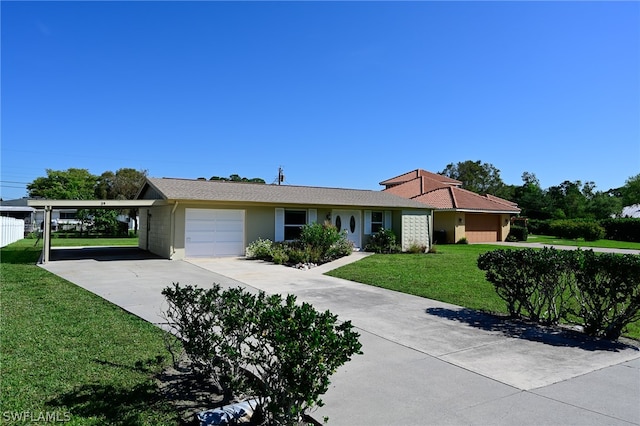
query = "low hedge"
{"x": 601, "y": 290}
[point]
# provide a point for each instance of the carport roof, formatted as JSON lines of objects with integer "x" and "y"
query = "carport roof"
{"x": 204, "y": 190}
{"x": 93, "y": 204}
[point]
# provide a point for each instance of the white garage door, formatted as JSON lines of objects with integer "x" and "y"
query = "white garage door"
{"x": 214, "y": 233}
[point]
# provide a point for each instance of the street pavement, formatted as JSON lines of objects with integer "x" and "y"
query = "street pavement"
{"x": 424, "y": 362}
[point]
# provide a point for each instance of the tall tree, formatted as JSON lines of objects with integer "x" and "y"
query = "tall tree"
{"x": 481, "y": 178}
{"x": 531, "y": 197}
{"x": 630, "y": 192}
{"x": 71, "y": 184}
{"x": 569, "y": 199}
{"x": 125, "y": 184}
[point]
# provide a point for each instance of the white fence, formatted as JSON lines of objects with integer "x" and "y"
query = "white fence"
{"x": 11, "y": 230}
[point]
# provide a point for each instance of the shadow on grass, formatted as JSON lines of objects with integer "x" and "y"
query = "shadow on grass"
{"x": 138, "y": 403}
{"x": 20, "y": 255}
{"x": 518, "y": 329}
{"x": 113, "y": 404}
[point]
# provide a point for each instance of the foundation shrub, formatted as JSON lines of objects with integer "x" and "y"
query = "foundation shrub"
{"x": 259, "y": 249}
{"x": 320, "y": 236}
{"x": 280, "y": 254}
{"x": 318, "y": 243}
{"x": 416, "y": 248}
{"x": 383, "y": 241}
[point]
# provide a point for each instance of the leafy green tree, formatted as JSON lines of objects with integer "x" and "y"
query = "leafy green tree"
{"x": 630, "y": 192}
{"x": 104, "y": 186}
{"x": 126, "y": 184}
{"x": 236, "y": 178}
{"x": 481, "y": 178}
{"x": 531, "y": 197}
{"x": 567, "y": 200}
{"x": 71, "y": 184}
{"x": 603, "y": 205}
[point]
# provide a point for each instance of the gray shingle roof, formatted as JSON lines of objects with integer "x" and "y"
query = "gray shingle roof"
{"x": 203, "y": 190}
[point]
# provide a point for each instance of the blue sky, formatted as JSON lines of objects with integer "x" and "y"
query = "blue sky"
{"x": 340, "y": 94}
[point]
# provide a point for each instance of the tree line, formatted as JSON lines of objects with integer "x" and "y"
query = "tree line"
{"x": 568, "y": 200}
{"x": 80, "y": 184}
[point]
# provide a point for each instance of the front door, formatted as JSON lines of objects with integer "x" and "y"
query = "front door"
{"x": 349, "y": 221}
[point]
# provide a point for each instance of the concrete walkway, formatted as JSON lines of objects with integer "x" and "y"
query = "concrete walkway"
{"x": 424, "y": 362}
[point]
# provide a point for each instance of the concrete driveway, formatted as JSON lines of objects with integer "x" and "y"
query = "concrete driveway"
{"x": 424, "y": 362}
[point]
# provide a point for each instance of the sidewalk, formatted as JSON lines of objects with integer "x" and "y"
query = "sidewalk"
{"x": 424, "y": 362}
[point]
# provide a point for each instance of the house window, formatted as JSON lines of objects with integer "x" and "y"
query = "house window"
{"x": 68, "y": 215}
{"x": 293, "y": 222}
{"x": 376, "y": 221}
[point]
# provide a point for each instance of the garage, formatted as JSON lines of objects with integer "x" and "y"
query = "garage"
{"x": 214, "y": 232}
{"x": 482, "y": 228}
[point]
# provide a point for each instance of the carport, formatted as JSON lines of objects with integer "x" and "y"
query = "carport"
{"x": 49, "y": 205}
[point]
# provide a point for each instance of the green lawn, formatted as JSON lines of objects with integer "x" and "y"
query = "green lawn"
{"x": 580, "y": 242}
{"x": 70, "y": 355}
{"x": 450, "y": 275}
{"x": 83, "y": 242}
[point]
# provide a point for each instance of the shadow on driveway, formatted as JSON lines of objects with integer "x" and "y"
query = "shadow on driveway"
{"x": 554, "y": 336}
{"x": 102, "y": 254}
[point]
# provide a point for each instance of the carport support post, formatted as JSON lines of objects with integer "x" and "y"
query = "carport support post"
{"x": 46, "y": 235}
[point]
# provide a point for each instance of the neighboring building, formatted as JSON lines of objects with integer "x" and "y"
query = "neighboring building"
{"x": 24, "y": 213}
{"x": 202, "y": 218}
{"x": 458, "y": 213}
{"x": 19, "y": 209}
{"x": 631, "y": 211}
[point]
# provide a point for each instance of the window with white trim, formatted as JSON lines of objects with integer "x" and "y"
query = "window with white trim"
{"x": 293, "y": 222}
{"x": 377, "y": 221}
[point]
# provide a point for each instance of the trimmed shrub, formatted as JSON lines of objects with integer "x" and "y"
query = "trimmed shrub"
{"x": 462, "y": 240}
{"x": 622, "y": 229}
{"x": 601, "y": 290}
{"x": 539, "y": 227}
{"x": 533, "y": 283}
{"x": 518, "y": 233}
{"x": 254, "y": 344}
{"x": 574, "y": 229}
{"x": 607, "y": 291}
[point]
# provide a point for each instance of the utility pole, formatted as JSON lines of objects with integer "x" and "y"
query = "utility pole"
{"x": 280, "y": 175}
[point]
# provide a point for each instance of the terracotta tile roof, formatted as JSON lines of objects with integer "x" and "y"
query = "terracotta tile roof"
{"x": 420, "y": 173}
{"x": 440, "y": 198}
{"x": 444, "y": 193}
{"x": 204, "y": 190}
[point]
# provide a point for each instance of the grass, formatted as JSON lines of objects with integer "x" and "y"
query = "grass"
{"x": 580, "y": 242}
{"x": 450, "y": 275}
{"x": 70, "y": 355}
{"x": 83, "y": 242}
